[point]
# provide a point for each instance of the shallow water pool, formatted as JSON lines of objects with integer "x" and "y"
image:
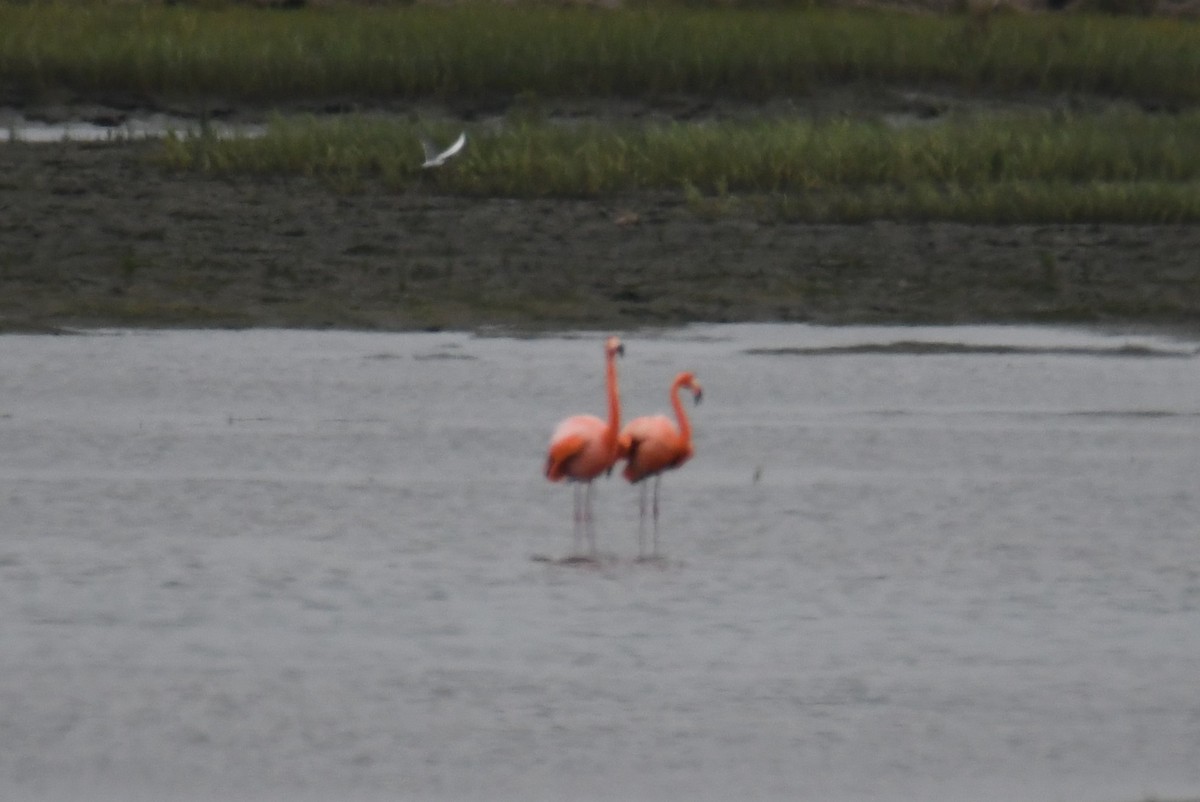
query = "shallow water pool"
{"x": 918, "y": 563}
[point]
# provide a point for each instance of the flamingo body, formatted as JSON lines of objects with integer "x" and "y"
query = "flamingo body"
{"x": 653, "y": 445}
{"x": 578, "y": 450}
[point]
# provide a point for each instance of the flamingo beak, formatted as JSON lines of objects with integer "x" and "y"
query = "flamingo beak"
{"x": 621, "y": 349}
{"x": 697, "y": 394}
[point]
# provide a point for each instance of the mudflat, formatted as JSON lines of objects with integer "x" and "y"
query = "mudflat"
{"x": 101, "y": 235}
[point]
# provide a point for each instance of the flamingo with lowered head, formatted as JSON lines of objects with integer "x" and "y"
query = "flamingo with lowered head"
{"x": 583, "y": 447}
{"x": 654, "y": 444}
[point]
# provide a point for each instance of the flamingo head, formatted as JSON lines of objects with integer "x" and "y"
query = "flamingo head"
{"x": 688, "y": 379}
{"x": 614, "y": 347}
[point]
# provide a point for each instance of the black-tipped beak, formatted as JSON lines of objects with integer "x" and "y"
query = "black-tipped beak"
{"x": 621, "y": 349}
{"x": 697, "y": 395}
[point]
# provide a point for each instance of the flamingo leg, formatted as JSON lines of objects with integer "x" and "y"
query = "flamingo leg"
{"x": 642, "y": 520}
{"x": 578, "y": 516}
{"x": 657, "y": 479}
{"x": 590, "y": 524}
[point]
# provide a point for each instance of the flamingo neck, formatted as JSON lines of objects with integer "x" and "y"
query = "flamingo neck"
{"x": 685, "y": 426}
{"x": 614, "y": 399}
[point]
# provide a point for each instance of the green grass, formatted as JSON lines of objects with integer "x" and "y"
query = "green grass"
{"x": 1008, "y": 168}
{"x": 485, "y": 50}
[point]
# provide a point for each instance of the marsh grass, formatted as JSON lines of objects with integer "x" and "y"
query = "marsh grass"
{"x": 486, "y": 49}
{"x": 995, "y": 168}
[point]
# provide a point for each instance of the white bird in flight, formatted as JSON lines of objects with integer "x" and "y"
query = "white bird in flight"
{"x": 435, "y": 159}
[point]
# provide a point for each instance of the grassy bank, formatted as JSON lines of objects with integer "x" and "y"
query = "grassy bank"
{"x": 482, "y": 50}
{"x": 1036, "y": 167}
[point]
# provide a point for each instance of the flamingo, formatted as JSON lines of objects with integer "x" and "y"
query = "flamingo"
{"x": 583, "y": 447}
{"x": 654, "y": 444}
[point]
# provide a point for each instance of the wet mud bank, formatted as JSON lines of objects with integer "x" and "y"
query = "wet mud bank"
{"x": 98, "y": 235}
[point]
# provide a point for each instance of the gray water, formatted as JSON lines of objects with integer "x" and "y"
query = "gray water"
{"x": 280, "y": 565}
{"x": 114, "y": 126}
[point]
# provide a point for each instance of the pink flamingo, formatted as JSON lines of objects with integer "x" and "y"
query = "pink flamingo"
{"x": 654, "y": 444}
{"x": 583, "y": 447}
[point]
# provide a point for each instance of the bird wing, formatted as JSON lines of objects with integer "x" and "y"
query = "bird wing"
{"x": 458, "y": 145}
{"x": 561, "y": 452}
{"x": 576, "y": 449}
{"x": 430, "y": 151}
{"x": 651, "y": 445}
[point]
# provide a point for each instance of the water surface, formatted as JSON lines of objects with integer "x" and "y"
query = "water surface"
{"x": 114, "y": 127}
{"x": 943, "y": 564}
